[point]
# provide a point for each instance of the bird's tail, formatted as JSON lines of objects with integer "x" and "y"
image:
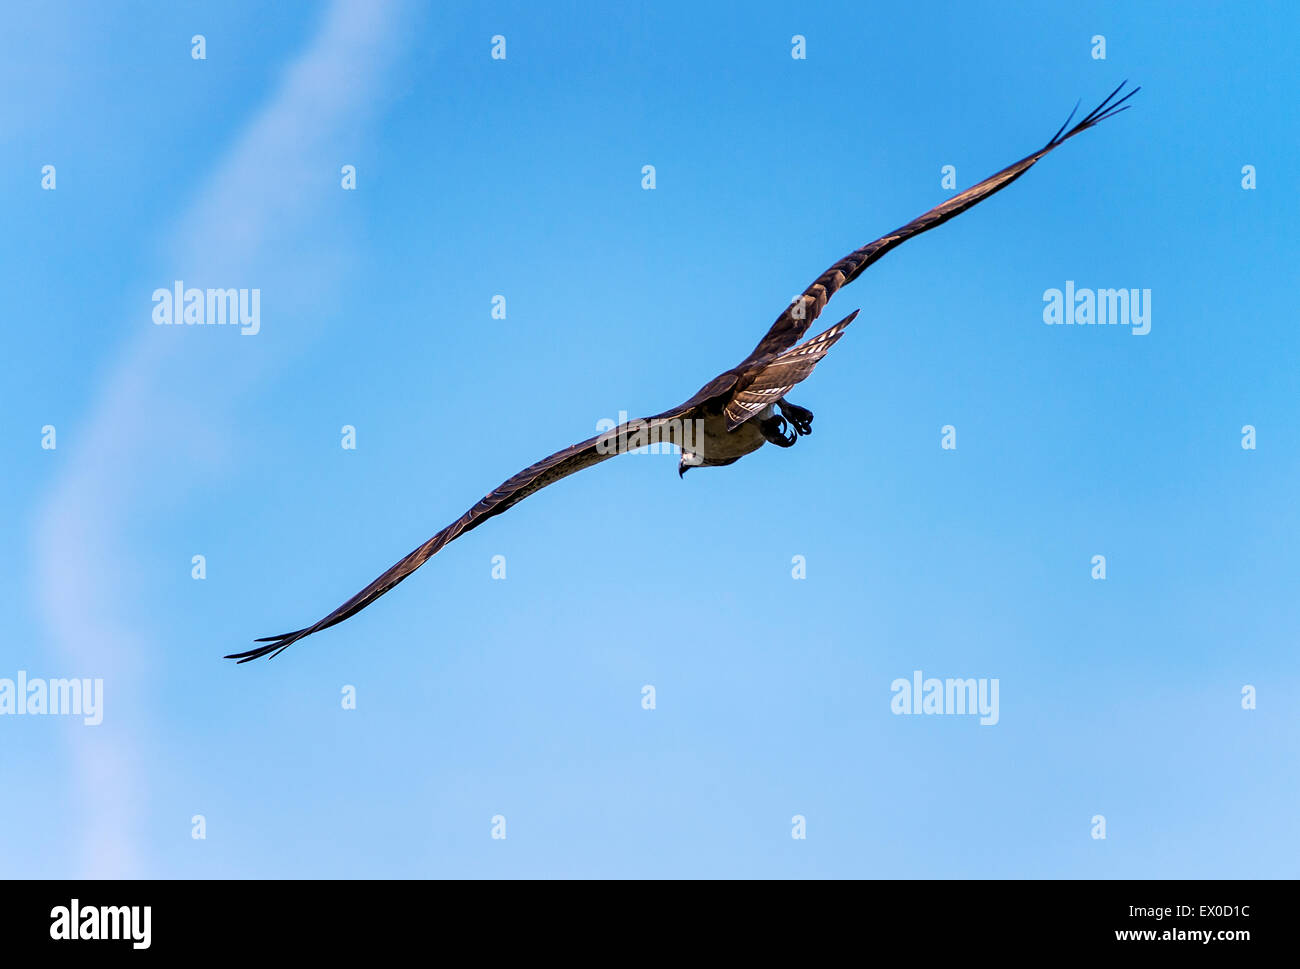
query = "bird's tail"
{"x": 783, "y": 373}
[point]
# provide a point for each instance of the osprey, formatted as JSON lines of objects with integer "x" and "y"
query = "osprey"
{"x": 737, "y": 411}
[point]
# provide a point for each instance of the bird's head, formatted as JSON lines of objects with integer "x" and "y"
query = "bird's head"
{"x": 689, "y": 460}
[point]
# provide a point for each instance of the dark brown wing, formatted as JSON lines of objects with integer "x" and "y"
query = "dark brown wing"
{"x": 794, "y": 321}
{"x": 776, "y": 379}
{"x": 559, "y": 465}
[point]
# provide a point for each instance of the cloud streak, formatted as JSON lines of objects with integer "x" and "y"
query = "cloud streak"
{"x": 258, "y": 196}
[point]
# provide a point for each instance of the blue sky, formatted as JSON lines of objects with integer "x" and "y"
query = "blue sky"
{"x": 522, "y": 697}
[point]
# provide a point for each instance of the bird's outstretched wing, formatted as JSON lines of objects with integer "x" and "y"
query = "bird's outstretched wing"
{"x": 777, "y": 379}
{"x": 794, "y": 321}
{"x": 559, "y": 465}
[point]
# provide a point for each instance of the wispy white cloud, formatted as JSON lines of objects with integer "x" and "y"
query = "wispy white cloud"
{"x": 258, "y": 196}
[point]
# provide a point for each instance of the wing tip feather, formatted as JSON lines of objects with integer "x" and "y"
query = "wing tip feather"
{"x": 275, "y": 645}
{"x": 1107, "y": 109}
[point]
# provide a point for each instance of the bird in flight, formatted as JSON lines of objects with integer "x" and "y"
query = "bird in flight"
{"x": 733, "y": 415}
